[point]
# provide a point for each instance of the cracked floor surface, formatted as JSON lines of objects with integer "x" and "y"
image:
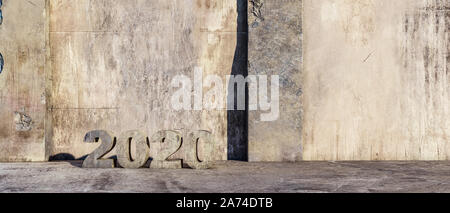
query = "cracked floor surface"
{"x": 231, "y": 176}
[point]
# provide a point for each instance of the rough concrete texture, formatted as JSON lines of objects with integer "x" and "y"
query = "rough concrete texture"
{"x": 376, "y": 80}
{"x": 113, "y": 61}
{"x": 311, "y": 177}
{"x": 22, "y": 80}
{"x": 275, "y": 48}
{"x": 374, "y": 83}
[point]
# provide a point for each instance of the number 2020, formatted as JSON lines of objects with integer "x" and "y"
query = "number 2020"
{"x": 162, "y": 144}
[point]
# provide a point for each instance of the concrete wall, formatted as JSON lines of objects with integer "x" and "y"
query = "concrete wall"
{"x": 376, "y": 80}
{"x": 22, "y": 80}
{"x": 275, "y": 48}
{"x": 113, "y": 61}
{"x": 359, "y": 79}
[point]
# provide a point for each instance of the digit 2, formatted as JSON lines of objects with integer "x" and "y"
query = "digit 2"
{"x": 94, "y": 160}
{"x": 164, "y": 144}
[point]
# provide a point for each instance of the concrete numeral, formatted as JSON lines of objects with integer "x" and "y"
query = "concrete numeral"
{"x": 124, "y": 157}
{"x": 107, "y": 144}
{"x": 164, "y": 144}
{"x": 199, "y": 140}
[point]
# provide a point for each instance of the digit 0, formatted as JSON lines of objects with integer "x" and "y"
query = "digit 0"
{"x": 124, "y": 157}
{"x": 199, "y": 141}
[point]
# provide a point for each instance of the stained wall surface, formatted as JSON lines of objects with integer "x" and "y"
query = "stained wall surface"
{"x": 359, "y": 79}
{"x": 275, "y": 48}
{"x": 113, "y": 63}
{"x": 376, "y": 80}
{"x": 22, "y": 80}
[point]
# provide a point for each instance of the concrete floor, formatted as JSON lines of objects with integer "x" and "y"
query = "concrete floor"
{"x": 231, "y": 177}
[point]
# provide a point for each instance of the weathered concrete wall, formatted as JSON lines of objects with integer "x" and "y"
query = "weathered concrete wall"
{"x": 373, "y": 85}
{"x": 113, "y": 61}
{"x": 22, "y": 80}
{"x": 275, "y": 48}
{"x": 376, "y": 80}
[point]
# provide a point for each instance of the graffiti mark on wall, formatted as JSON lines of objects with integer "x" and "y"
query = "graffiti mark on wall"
{"x": 23, "y": 122}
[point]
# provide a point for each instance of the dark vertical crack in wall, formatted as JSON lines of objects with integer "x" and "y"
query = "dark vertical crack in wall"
{"x": 1, "y": 63}
{"x": 1, "y": 22}
{"x": 238, "y": 120}
{"x": 1, "y": 13}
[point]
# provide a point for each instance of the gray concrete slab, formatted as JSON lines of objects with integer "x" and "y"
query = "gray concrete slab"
{"x": 231, "y": 176}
